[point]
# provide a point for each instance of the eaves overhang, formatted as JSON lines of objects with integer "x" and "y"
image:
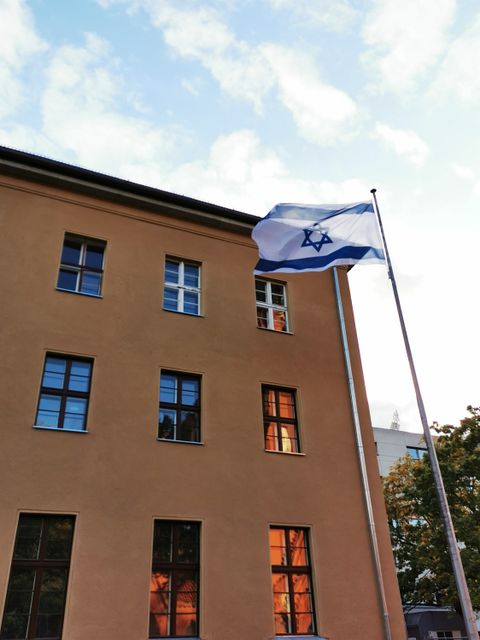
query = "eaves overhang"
{"x": 117, "y": 190}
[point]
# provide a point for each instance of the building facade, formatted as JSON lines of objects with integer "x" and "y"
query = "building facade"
{"x": 178, "y": 455}
{"x": 393, "y": 444}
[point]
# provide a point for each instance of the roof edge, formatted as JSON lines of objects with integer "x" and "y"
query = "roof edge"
{"x": 63, "y": 175}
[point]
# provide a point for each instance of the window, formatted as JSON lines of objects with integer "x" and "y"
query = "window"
{"x": 271, "y": 305}
{"x": 65, "y": 391}
{"x": 81, "y": 267}
{"x": 416, "y": 453}
{"x": 179, "y": 413}
{"x": 37, "y": 586}
{"x": 182, "y": 287}
{"x": 292, "y": 581}
{"x": 174, "y": 587}
{"x": 280, "y": 420}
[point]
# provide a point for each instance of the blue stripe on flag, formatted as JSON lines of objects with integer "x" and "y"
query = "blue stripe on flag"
{"x": 321, "y": 262}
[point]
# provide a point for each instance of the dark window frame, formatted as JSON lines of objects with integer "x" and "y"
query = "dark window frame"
{"x": 80, "y": 267}
{"x": 39, "y": 565}
{"x": 173, "y": 567}
{"x": 178, "y": 407}
{"x": 65, "y": 392}
{"x": 419, "y": 452}
{"x": 289, "y": 569}
{"x": 278, "y": 419}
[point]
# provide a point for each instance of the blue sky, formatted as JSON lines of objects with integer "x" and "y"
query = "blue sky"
{"x": 246, "y": 103}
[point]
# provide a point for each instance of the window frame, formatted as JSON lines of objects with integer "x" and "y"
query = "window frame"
{"x": 39, "y": 565}
{"x": 179, "y": 407}
{"x": 81, "y": 268}
{"x": 174, "y": 566}
{"x": 180, "y": 287}
{"x": 65, "y": 393}
{"x": 279, "y": 420}
{"x": 417, "y": 456}
{"x": 270, "y": 306}
{"x": 291, "y": 569}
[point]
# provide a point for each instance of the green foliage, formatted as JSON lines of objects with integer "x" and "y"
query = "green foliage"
{"x": 416, "y": 529}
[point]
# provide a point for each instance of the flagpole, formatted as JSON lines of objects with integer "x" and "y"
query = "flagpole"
{"x": 463, "y": 594}
{"x": 361, "y": 458}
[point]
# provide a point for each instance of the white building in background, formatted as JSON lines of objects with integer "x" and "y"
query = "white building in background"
{"x": 392, "y": 444}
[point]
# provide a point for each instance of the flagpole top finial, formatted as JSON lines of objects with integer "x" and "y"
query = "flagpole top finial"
{"x": 373, "y": 191}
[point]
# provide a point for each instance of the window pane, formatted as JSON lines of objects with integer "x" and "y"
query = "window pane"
{"x": 189, "y": 427}
{"x": 278, "y": 294}
{"x": 185, "y": 581}
{"x": 190, "y": 302}
{"x": 91, "y": 283}
{"x": 286, "y": 404}
{"x": 271, "y": 439}
{"x": 71, "y": 251}
{"x": 161, "y": 581}
{"x": 48, "y": 411}
{"x": 187, "y": 543}
{"x": 262, "y": 317}
{"x": 160, "y": 602}
{"x": 94, "y": 256}
{"x": 299, "y": 557}
{"x": 67, "y": 279}
{"x": 54, "y": 373}
{"x": 168, "y": 388}
{"x": 277, "y": 537}
{"x": 288, "y": 434}
{"x": 166, "y": 423}
{"x": 297, "y": 538}
{"x": 304, "y": 622}
{"x": 190, "y": 392}
{"x": 170, "y": 299}
{"x": 75, "y": 410}
{"x": 28, "y": 538}
{"x": 49, "y": 626}
{"x": 269, "y": 406}
{"x": 283, "y": 623}
{"x": 278, "y": 555}
{"x": 186, "y": 625}
{"x": 19, "y": 601}
{"x": 171, "y": 271}
{"x": 159, "y": 625}
{"x": 191, "y": 276}
{"x": 260, "y": 290}
{"x": 162, "y": 542}
{"x": 14, "y": 626}
{"x": 279, "y": 320}
{"x": 59, "y": 541}
{"x": 79, "y": 376}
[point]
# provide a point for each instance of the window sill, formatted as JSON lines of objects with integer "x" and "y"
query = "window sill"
{"x": 37, "y": 426}
{"x": 289, "y": 453}
{"x": 79, "y": 293}
{"x": 179, "y": 442}
{"x": 282, "y": 333}
{"x": 184, "y": 313}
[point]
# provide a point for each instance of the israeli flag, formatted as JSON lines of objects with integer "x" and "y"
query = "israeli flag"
{"x": 303, "y": 237}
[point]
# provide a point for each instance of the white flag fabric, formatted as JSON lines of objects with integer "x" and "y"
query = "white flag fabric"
{"x": 302, "y": 237}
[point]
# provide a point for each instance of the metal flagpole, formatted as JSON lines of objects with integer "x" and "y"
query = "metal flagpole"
{"x": 463, "y": 594}
{"x": 361, "y": 457}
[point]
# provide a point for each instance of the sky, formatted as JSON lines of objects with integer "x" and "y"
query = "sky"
{"x": 247, "y": 103}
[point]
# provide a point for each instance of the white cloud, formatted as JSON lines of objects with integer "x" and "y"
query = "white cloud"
{"x": 81, "y": 112}
{"x": 18, "y": 43}
{"x": 458, "y": 74}
{"x": 467, "y": 174}
{"x": 336, "y": 15}
{"x": 321, "y": 112}
{"x": 254, "y": 178}
{"x": 405, "y": 39}
{"x": 403, "y": 143}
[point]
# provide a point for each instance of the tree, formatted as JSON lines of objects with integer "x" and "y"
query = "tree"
{"x": 423, "y": 563}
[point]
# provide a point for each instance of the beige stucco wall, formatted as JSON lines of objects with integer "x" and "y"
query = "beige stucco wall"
{"x": 117, "y": 477}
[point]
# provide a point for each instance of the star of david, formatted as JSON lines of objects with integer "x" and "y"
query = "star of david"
{"x": 316, "y": 244}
